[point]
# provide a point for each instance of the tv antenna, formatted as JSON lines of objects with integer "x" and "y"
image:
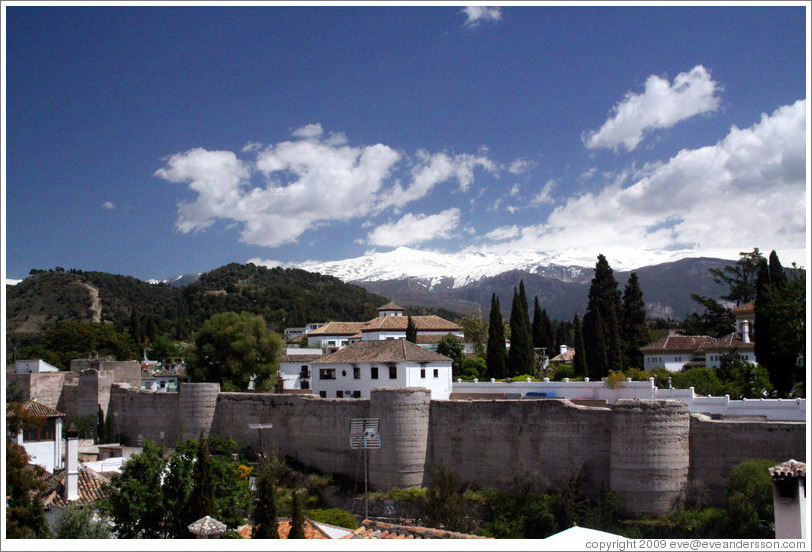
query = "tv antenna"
{"x": 364, "y": 434}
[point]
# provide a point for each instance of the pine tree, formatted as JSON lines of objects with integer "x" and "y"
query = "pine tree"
{"x": 201, "y": 502}
{"x": 296, "y": 516}
{"x": 495, "y": 353}
{"x": 266, "y": 524}
{"x": 521, "y": 359}
{"x": 579, "y": 361}
{"x": 411, "y": 330}
{"x": 634, "y": 332}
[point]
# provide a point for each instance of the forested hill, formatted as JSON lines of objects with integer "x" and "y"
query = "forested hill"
{"x": 284, "y": 297}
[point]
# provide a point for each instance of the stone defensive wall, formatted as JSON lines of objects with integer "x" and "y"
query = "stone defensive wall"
{"x": 649, "y": 451}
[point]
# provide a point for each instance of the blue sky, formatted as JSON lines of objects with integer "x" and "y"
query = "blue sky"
{"x": 154, "y": 141}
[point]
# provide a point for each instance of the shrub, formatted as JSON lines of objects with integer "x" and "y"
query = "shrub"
{"x": 562, "y": 371}
{"x": 333, "y": 516}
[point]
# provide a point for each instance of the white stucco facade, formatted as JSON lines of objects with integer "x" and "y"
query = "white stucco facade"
{"x": 33, "y": 366}
{"x": 356, "y": 380}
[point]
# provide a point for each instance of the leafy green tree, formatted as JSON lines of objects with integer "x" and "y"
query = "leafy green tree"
{"x": 232, "y": 348}
{"x": 742, "y": 379}
{"x": 411, "y": 330}
{"x": 475, "y": 329}
{"x": 202, "y": 498}
{"x": 634, "y": 330}
{"x": 715, "y": 321}
{"x": 495, "y": 359}
{"x": 443, "y": 504}
{"x": 451, "y": 346}
{"x": 750, "y": 495}
{"x": 25, "y": 516}
{"x": 740, "y": 277}
{"x": 164, "y": 349}
{"x": 521, "y": 359}
{"x": 79, "y": 523}
{"x": 473, "y": 368}
{"x": 177, "y": 491}
{"x": 296, "y": 516}
{"x": 265, "y": 512}
{"x": 579, "y": 360}
{"x": 134, "y": 499}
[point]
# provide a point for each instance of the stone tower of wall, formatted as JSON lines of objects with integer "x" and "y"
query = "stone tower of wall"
{"x": 198, "y": 402}
{"x": 404, "y": 431}
{"x": 649, "y": 454}
{"x": 93, "y": 391}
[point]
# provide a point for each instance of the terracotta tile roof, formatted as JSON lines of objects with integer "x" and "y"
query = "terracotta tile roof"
{"x": 746, "y": 309}
{"x": 390, "y": 350}
{"x": 391, "y": 306}
{"x": 423, "y": 323}
{"x": 41, "y": 410}
{"x": 91, "y": 488}
{"x": 729, "y": 342}
{"x": 336, "y": 328}
{"x": 311, "y": 530}
{"x": 299, "y": 358}
{"x": 790, "y": 468}
{"x": 678, "y": 343}
{"x": 566, "y": 356}
{"x": 380, "y": 530}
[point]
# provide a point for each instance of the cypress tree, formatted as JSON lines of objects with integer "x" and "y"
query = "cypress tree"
{"x": 495, "y": 353}
{"x": 579, "y": 361}
{"x": 634, "y": 332}
{"x": 604, "y": 299}
{"x": 521, "y": 359}
{"x": 773, "y": 341}
{"x": 539, "y": 339}
{"x": 549, "y": 333}
{"x": 595, "y": 346}
{"x": 411, "y": 330}
{"x": 266, "y": 525}
{"x": 201, "y": 500}
{"x": 296, "y": 516}
{"x": 614, "y": 354}
{"x": 100, "y": 427}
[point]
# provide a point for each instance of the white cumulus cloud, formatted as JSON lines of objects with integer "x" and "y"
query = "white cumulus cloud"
{"x": 748, "y": 190}
{"x": 297, "y": 185}
{"x": 413, "y": 229}
{"x": 109, "y": 205}
{"x": 661, "y": 105}
{"x": 479, "y": 14}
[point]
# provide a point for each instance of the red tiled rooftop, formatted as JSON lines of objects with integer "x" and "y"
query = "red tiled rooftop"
{"x": 381, "y": 530}
{"x": 678, "y": 343}
{"x": 91, "y": 488}
{"x": 40, "y": 410}
{"x": 423, "y": 324}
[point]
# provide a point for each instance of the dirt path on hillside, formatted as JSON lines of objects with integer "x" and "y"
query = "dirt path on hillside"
{"x": 95, "y": 302}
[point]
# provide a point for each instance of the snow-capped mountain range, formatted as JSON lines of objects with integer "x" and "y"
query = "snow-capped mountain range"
{"x": 456, "y": 270}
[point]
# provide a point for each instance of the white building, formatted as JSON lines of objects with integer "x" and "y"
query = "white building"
{"x": 36, "y": 366}
{"x": 335, "y": 334}
{"x": 43, "y": 444}
{"x": 674, "y": 351}
{"x": 295, "y": 367}
{"x": 394, "y": 327}
{"x": 360, "y": 367}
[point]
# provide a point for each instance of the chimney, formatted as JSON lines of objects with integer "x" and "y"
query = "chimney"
{"x": 71, "y": 486}
{"x": 746, "y": 331}
{"x": 790, "y": 500}
{"x": 562, "y": 349}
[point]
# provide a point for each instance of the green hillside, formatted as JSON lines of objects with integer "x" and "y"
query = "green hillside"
{"x": 284, "y": 297}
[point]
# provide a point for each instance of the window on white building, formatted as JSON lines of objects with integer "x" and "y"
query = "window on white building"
{"x": 422, "y": 373}
{"x": 327, "y": 374}
{"x": 356, "y": 372}
{"x": 373, "y": 372}
{"x": 393, "y": 372}
{"x": 436, "y": 372}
